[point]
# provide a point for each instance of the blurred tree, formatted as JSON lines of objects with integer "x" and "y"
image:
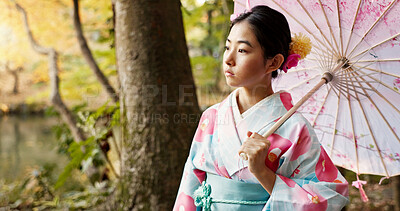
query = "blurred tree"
{"x": 53, "y": 25}
{"x": 66, "y": 114}
{"x": 14, "y": 73}
{"x": 87, "y": 54}
{"x": 159, "y": 109}
{"x": 207, "y": 26}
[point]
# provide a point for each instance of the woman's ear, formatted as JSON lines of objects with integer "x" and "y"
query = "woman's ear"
{"x": 274, "y": 63}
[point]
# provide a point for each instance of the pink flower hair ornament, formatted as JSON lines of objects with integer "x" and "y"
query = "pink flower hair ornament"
{"x": 291, "y": 61}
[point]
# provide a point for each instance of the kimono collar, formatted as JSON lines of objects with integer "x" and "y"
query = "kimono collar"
{"x": 231, "y": 136}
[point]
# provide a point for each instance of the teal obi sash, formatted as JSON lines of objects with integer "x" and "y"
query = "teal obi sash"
{"x": 220, "y": 193}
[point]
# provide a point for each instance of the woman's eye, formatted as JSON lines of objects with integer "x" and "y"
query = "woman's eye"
{"x": 226, "y": 48}
{"x": 242, "y": 51}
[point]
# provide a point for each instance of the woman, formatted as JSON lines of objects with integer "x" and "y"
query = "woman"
{"x": 288, "y": 170}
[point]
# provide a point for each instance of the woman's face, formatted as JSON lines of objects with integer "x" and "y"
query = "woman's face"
{"x": 244, "y": 64}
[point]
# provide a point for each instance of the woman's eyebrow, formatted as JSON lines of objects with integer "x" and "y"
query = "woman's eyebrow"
{"x": 242, "y": 41}
{"x": 245, "y": 42}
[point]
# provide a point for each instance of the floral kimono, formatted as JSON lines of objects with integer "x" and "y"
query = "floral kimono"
{"x": 216, "y": 178}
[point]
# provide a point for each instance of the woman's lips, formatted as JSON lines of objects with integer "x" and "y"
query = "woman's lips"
{"x": 228, "y": 73}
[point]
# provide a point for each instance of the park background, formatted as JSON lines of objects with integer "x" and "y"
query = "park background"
{"x": 42, "y": 166}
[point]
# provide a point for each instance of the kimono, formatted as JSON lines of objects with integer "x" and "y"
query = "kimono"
{"x": 306, "y": 178}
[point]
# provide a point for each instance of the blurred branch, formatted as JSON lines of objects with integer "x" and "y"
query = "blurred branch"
{"x": 55, "y": 97}
{"x": 87, "y": 54}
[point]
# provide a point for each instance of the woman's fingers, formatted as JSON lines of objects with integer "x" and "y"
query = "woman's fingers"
{"x": 255, "y": 149}
{"x": 258, "y": 136}
{"x": 254, "y": 143}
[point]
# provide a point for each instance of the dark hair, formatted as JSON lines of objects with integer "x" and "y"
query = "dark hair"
{"x": 271, "y": 29}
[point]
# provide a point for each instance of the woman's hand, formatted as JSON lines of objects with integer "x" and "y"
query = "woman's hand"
{"x": 256, "y": 148}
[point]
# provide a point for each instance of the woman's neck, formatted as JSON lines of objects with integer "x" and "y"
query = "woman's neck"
{"x": 246, "y": 98}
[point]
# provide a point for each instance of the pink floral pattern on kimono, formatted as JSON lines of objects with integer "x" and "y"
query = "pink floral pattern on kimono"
{"x": 325, "y": 169}
{"x": 279, "y": 146}
{"x": 206, "y": 125}
{"x": 184, "y": 202}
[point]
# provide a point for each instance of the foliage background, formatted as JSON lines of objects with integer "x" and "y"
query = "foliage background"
{"x": 206, "y": 25}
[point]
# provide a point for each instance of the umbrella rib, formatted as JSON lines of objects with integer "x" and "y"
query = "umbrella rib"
{"x": 372, "y": 135}
{"x": 354, "y": 90}
{"x": 387, "y": 86}
{"x": 301, "y": 83}
{"x": 380, "y": 94}
{"x": 383, "y": 117}
{"x": 329, "y": 25}
{"x": 336, "y": 93}
{"x": 302, "y": 25}
{"x": 373, "y": 25}
{"x": 341, "y": 90}
{"x": 318, "y": 47}
{"x": 360, "y": 74}
{"x": 352, "y": 27}
{"x": 340, "y": 27}
{"x": 378, "y": 71}
{"x": 352, "y": 128}
{"x": 322, "y": 57}
{"x": 326, "y": 57}
{"x": 320, "y": 108}
{"x": 356, "y": 87}
{"x": 322, "y": 62}
{"x": 350, "y": 69}
{"x": 366, "y": 50}
{"x": 380, "y": 60}
{"x": 316, "y": 25}
{"x": 335, "y": 125}
{"x": 302, "y": 69}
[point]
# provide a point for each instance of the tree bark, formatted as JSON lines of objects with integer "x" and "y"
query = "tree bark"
{"x": 396, "y": 191}
{"x": 159, "y": 108}
{"x": 87, "y": 54}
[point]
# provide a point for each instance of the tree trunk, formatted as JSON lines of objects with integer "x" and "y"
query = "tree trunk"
{"x": 159, "y": 109}
{"x": 396, "y": 191}
{"x": 87, "y": 54}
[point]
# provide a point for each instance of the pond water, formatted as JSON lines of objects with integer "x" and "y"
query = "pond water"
{"x": 27, "y": 143}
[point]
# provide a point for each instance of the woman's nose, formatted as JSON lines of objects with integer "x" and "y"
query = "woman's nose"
{"x": 229, "y": 60}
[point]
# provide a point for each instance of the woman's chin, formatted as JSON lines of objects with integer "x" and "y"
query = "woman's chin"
{"x": 231, "y": 83}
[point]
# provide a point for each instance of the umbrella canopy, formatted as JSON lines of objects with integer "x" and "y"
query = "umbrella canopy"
{"x": 357, "y": 115}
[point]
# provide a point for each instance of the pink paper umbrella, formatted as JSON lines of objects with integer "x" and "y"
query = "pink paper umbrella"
{"x": 356, "y": 53}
